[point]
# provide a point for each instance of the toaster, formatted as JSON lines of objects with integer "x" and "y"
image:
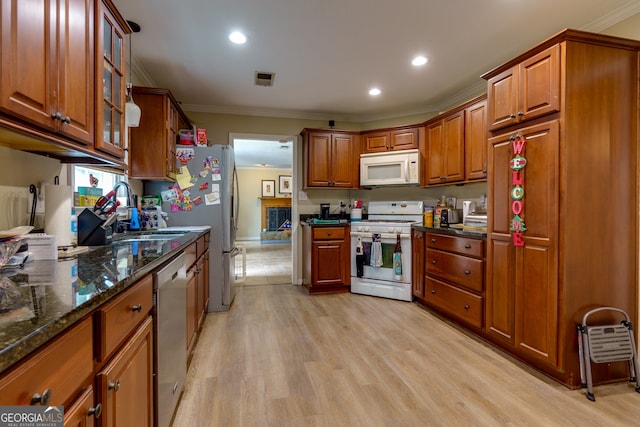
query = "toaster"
{"x": 450, "y": 216}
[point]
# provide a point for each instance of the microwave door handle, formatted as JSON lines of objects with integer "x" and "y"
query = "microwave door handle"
{"x": 406, "y": 171}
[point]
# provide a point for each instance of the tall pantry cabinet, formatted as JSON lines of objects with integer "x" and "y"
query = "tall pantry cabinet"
{"x": 574, "y": 99}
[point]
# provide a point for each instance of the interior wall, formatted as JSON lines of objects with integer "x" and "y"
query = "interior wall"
{"x": 250, "y": 186}
{"x": 18, "y": 170}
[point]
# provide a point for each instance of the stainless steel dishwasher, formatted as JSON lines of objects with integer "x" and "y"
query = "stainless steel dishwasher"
{"x": 170, "y": 335}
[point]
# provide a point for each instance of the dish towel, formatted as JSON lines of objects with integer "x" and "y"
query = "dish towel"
{"x": 376, "y": 250}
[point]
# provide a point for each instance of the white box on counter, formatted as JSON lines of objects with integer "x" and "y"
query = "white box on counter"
{"x": 41, "y": 246}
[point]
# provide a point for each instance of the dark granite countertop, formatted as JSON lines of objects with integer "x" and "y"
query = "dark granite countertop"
{"x": 480, "y": 235}
{"x": 46, "y": 297}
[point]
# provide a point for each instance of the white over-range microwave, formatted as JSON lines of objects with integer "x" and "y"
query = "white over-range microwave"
{"x": 390, "y": 168}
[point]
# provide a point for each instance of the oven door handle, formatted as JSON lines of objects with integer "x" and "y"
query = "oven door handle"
{"x": 367, "y": 235}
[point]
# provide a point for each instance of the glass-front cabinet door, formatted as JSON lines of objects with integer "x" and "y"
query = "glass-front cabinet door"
{"x": 110, "y": 89}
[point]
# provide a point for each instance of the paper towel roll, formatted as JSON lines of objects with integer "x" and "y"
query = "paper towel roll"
{"x": 57, "y": 213}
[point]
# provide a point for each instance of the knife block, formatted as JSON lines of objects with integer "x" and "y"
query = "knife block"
{"x": 90, "y": 230}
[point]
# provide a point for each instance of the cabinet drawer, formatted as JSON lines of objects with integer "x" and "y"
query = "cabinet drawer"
{"x": 118, "y": 318}
{"x": 328, "y": 233}
{"x": 456, "y": 302}
{"x": 63, "y": 367}
{"x": 462, "y": 270}
{"x": 461, "y": 245}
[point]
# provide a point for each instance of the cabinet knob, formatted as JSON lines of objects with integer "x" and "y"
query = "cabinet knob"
{"x": 329, "y": 233}
{"x": 96, "y": 412}
{"x": 42, "y": 399}
{"x": 56, "y": 116}
{"x": 115, "y": 386}
{"x": 433, "y": 240}
{"x": 466, "y": 307}
{"x": 137, "y": 307}
{"x": 433, "y": 261}
{"x": 512, "y": 116}
{"x": 433, "y": 291}
{"x": 467, "y": 246}
{"x": 66, "y": 120}
{"x": 467, "y": 272}
{"x": 520, "y": 114}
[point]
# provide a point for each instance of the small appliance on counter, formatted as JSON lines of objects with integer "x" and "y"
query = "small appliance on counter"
{"x": 468, "y": 207}
{"x": 325, "y": 210}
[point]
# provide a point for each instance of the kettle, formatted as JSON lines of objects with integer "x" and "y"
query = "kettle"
{"x": 468, "y": 207}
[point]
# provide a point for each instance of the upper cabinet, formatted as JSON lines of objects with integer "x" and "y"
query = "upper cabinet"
{"x": 475, "y": 141}
{"x": 332, "y": 158}
{"x": 152, "y": 145}
{"x": 525, "y": 91}
{"x": 405, "y": 138}
{"x": 111, "y": 80}
{"x": 445, "y": 149}
{"x": 47, "y": 70}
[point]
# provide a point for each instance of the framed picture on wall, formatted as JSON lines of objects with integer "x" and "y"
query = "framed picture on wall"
{"x": 268, "y": 188}
{"x": 285, "y": 184}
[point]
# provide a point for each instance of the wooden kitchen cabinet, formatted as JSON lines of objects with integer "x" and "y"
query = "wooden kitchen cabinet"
{"x": 197, "y": 263}
{"x": 84, "y": 412}
{"x": 124, "y": 349}
{"x": 111, "y": 29}
{"x": 579, "y": 158}
{"x": 125, "y": 384}
{"x": 54, "y": 375}
{"x": 475, "y": 141}
{"x": 526, "y": 90}
{"x": 332, "y": 158}
{"x": 417, "y": 263}
{"x": 445, "y": 149}
{"x": 152, "y": 145}
{"x": 327, "y": 259}
{"x": 454, "y": 282}
{"x": 47, "y": 74}
{"x": 405, "y": 138}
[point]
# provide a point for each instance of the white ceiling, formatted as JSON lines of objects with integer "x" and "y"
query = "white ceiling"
{"x": 327, "y": 54}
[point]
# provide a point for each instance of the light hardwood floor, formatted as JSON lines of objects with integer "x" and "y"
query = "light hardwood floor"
{"x": 281, "y": 357}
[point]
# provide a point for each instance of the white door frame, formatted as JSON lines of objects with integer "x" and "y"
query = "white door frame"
{"x": 296, "y": 233}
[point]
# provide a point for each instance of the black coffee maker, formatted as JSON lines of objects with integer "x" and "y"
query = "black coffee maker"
{"x": 324, "y": 210}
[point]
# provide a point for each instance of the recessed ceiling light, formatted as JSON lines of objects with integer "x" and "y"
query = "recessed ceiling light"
{"x": 374, "y": 91}
{"x": 237, "y": 37}
{"x": 419, "y": 60}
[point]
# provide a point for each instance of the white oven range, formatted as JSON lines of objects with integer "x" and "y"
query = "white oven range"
{"x": 386, "y": 220}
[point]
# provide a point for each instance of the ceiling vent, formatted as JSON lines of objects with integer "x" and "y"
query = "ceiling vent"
{"x": 264, "y": 78}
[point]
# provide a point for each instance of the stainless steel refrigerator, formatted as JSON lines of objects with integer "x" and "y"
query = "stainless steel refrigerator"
{"x": 211, "y": 199}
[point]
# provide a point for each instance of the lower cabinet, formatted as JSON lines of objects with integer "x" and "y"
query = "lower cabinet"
{"x": 327, "y": 259}
{"x": 454, "y": 277}
{"x": 83, "y": 413}
{"x": 197, "y": 288}
{"x": 125, "y": 384}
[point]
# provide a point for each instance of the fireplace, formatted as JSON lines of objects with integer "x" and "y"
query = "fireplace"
{"x": 276, "y": 219}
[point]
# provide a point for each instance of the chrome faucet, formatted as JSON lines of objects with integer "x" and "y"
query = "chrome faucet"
{"x": 130, "y": 199}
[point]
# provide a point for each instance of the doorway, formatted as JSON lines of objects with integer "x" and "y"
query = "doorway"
{"x": 265, "y": 162}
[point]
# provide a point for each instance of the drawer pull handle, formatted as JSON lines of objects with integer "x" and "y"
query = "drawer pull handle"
{"x": 96, "y": 412}
{"x": 137, "y": 308}
{"x": 466, "y": 307}
{"x": 42, "y": 399}
{"x": 115, "y": 386}
{"x": 467, "y": 272}
{"x": 467, "y": 246}
{"x": 433, "y": 291}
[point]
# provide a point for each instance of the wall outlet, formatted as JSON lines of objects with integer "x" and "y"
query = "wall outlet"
{"x": 39, "y": 201}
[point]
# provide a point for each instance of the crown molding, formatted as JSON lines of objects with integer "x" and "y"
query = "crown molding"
{"x": 612, "y": 18}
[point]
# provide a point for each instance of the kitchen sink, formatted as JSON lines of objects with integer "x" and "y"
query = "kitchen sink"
{"x": 149, "y": 237}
